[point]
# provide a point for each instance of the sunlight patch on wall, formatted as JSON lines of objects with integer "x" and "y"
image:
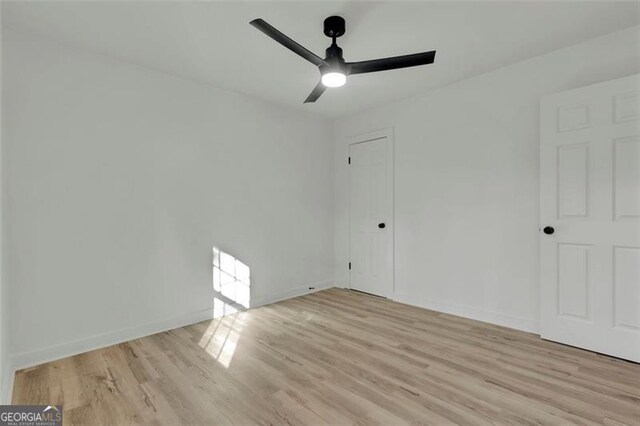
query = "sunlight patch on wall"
{"x": 231, "y": 284}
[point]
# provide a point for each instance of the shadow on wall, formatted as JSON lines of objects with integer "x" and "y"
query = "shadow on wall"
{"x": 231, "y": 284}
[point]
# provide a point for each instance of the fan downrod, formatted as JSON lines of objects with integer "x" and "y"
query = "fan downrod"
{"x": 334, "y": 26}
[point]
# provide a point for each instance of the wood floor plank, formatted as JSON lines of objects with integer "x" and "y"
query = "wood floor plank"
{"x": 338, "y": 357}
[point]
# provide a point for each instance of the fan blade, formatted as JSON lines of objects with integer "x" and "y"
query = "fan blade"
{"x": 287, "y": 42}
{"x": 393, "y": 63}
{"x": 315, "y": 93}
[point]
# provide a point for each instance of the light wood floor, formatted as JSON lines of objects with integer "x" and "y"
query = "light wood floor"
{"x": 338, "y": 357}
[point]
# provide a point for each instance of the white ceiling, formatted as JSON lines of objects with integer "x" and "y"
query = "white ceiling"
{"x": 212, "y": 42}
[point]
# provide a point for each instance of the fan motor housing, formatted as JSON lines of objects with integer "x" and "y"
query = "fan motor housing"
{"x": 334, "y": 26}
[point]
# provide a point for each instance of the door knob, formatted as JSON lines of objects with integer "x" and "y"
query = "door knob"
{"x": 548, "y": 230}
{"x": 381, "y": 225}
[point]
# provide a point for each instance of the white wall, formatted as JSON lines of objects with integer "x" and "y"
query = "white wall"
{"x": 5, "y": 370}
{"x": 466, "y": 181}
{"x": 120, "y": 180}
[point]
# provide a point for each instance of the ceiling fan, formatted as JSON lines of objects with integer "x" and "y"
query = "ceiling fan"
{"x": 333, "y": 68}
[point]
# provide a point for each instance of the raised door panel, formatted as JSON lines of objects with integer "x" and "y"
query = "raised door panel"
{"x": 573, "y": 281}
{"x": 573, "y": 181}
{"x": 626, "y": 107}
{"x": 626, "y": 261}
{"x": 573, "y": 118}
{"x": 626, "y": 178}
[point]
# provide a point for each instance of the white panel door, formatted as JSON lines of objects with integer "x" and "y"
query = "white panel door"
{"x": 590, "y": 217}
{"x": 371, "y": 221}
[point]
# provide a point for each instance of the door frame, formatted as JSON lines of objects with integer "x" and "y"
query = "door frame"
{"x": 390, "y": 221}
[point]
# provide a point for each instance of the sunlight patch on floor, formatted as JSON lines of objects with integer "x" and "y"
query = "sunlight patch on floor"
{"x": 220, "y": 340}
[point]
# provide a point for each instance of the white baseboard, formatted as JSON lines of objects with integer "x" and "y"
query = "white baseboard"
{"x": 288, "y": 294}
{"x": 22, "y": 360}
{"x": 523, "y": 324}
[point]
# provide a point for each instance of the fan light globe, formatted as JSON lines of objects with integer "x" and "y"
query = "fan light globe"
{"x": 334, "y": 79}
